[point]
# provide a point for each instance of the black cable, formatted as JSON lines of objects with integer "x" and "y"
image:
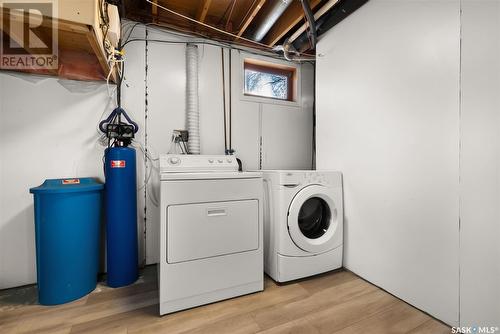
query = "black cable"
{"x": 103, "y": 14}
{"x": 185, "y": 147}
{"x": 104, "y": 40}
{"x": 120, "y": 78}
{"x": 312, "y": 23}
{"x": 131, "y": 31}
{"x": 230, "y": 114}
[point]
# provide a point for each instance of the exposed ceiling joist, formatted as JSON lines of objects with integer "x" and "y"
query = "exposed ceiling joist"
{"x": 234, "y": 20}
{"x": 154, "y": 8}
{"x": 203, "y": 10}
{"x": 228, "y": 21}
{"x": 287, "y": 21}
{"x": 250, "y": 18}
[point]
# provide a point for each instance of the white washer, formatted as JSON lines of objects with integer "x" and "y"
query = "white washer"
{"x": 303, "y": 223}
{"x": 211, "y": 237}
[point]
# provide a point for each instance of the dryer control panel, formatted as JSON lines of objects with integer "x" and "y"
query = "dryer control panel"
{"x": 197, "y": 163}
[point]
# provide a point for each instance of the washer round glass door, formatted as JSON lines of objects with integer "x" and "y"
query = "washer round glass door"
{"x": 312, "y": 220}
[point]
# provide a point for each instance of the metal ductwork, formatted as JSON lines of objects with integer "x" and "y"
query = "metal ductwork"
{"x": 192, "y": 99}
{"x": 277, "y": 9}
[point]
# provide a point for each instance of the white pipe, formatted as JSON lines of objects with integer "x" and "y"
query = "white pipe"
{"x": 192, "y": 104}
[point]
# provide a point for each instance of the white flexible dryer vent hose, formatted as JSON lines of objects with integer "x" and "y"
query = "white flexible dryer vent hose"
{"x": 192, "y": 104}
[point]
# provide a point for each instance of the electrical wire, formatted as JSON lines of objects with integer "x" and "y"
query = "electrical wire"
{"x": 152, "y": 169}
{"x": 117, "y": 59}
{"x": 103, "y": 13}
{"x": 236, "y": 37}
{"x": 132, "y": 30}
{"x": 148, "y": 158}
{"x": 207, "y": 43}
{"x": 186, "y": 149}
{"x": 207, "y": 25}
{"x": 203, "y": 41}
{"x": 249, "y": 10}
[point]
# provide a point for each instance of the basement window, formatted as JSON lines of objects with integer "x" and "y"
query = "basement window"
{"x": 269, "y": 80}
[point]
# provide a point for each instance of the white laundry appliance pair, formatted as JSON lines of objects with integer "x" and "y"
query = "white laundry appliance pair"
{"x": 303, "y": 223}
{"x": 220, "y": 228}
{"x": 211, "y": 233}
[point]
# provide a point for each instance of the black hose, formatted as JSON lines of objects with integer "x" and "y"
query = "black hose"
{"x": 312, "y": 23}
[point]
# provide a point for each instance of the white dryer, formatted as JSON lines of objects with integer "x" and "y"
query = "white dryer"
{"x": 210, "y": 231}
{"x": 303, "y": 223}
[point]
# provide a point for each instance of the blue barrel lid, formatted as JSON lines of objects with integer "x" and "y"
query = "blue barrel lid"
{"x": 68, "y": 185}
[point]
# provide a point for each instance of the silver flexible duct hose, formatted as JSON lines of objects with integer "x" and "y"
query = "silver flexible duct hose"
{"x": 192, "y": 99}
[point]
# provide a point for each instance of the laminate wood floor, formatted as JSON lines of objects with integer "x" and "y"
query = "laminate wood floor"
{"x": 336, "y": 302}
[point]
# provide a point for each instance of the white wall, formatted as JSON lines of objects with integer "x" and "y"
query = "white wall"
{"x": 166, "y": 82}
{"x": 387, "y": 117}
{"x": 480, "y": 165}
{"x": 47, "y": 131}
{"x": 272, "y": 134}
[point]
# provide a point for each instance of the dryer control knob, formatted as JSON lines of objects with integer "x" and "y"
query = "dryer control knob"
{"x": 174, "y": 161}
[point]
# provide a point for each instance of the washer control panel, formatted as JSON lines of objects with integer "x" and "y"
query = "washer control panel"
{"x": 291, "y": 178}
{"x": 197, "y": 163}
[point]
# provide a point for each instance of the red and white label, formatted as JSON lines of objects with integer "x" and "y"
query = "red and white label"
{"x": 117, "y": 163}
{"x": 71, "y": 181}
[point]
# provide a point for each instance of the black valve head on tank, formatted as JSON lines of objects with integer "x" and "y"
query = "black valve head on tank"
{"x": 122, "y": 133}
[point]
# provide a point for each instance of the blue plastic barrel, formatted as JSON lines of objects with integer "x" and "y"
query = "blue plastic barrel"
{"x": 121, "y": 216}
{"x": 67, "y": 231}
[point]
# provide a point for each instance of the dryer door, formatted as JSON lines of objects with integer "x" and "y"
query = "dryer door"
{"x": 313, "y": 222}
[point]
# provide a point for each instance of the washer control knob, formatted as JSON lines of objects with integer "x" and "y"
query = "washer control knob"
{"x": 220, "y": 161}
{"x": 211, "y": 161}
{"x": 174, "y": 161}
{"x": 229, "y": 160}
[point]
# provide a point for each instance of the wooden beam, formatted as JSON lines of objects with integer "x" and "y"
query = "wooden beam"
{"x": 154, "y": 11}
{"x": 290, "y": 18}
{"x": 229, "y": 24}
{"x": 249, "y": 19}
{"x": 100, "y": 54}
{"x": 47, "y": 22}
{"x": 203, "y": 10}
{"x": 154, "y": 8}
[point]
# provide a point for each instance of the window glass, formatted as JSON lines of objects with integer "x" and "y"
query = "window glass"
{"x": 268, "y": 81}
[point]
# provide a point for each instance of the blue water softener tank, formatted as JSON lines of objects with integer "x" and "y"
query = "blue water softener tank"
{"x": 67, "y": 230}
{"x": 121, "y": 216}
